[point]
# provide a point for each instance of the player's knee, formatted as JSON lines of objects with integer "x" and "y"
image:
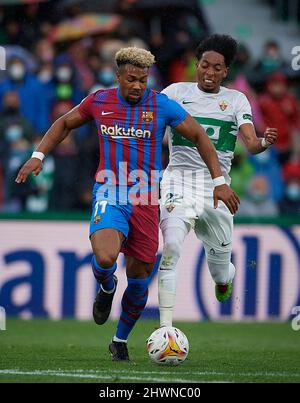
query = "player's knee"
{"x": 172, "y": 247}
{"x": 105, "y": 260}
{"x": 142, "y": 271}
{"x": 171, "y": 253}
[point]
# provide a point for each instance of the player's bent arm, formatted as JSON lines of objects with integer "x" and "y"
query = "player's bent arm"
{"x": 55, "y": 135}
{"x": 60, "y": 130}
{"x": 194, "y": 132}
{"x": 254, "y": 144}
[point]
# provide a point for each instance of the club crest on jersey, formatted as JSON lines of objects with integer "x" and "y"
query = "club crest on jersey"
{"x": 170, "y": 207}
{"x": 223, "y": 105}
{"x": 97, "y": 219}
{"x": 147, "y": 116}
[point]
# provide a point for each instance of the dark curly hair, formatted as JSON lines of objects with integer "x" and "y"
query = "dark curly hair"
{"x": 223, "y": 44}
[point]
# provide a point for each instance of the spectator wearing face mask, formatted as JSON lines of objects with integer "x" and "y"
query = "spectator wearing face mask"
{"x": 45, "y": 73}
{"x": 106, "y": 76}
{"x": 271, "y": 60}
{"x": 65, "y": 85}
{"x": 290, "y": 203}
{"x": 33, "y": 103}
{"x": 257, "y": 201}
{"x": 13, "y": 125}
{"x": 16, "y": 135}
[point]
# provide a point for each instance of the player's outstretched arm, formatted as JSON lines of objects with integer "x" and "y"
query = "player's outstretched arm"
{"x": 194, "y": 132}
{"x": 55, "y": 135}
{"x": 254, "y": 144}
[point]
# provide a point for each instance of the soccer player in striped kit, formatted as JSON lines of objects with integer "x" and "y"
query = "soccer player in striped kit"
{"x": 131, "y": 121}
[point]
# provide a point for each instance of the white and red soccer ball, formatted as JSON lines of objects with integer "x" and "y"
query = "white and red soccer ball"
{"x": 167, "y": 345}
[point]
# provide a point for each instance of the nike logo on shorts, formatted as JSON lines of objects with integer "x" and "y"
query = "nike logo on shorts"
{"x": 225, "y": 244}
{"x": 105, "y": 113}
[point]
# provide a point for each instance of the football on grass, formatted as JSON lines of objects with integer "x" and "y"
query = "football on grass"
{"x": 168, "y": 345}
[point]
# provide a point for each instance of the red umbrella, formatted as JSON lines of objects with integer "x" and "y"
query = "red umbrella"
{"x": 84, "y": 25}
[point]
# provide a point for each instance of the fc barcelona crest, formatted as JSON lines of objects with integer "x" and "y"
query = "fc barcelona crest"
{"x": 223, "y": 105}
{"x": 97, "y": 219}
{"x": 147, "y": 116}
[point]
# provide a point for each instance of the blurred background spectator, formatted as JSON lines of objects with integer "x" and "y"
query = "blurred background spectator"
{"x": 271, "y": 59}
{"x": 60, "y": 51}
{"x": 280, "y": 108}
{"x": 257, "y": 201}
{"x": 290, "y": 203}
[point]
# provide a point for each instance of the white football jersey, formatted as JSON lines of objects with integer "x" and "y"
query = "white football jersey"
{"x": 220, "y": 114}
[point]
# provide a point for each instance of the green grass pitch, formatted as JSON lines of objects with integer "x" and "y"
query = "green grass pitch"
{"x": 77, "y": 351}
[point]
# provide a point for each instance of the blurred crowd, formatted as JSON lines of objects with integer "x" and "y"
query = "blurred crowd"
{"x": 50, "y": 69}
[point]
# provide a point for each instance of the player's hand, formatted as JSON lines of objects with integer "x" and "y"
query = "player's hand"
{"x": 34, "y": 165}
{"x": 228, "y": 196}
{"x": 271, "y": 135}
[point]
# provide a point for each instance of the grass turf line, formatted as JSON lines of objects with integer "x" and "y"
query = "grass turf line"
{"x": 77, "y": 351}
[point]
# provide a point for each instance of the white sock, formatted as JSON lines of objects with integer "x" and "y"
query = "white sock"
{"x": 110, "y": 291}
{"x": 174, "y": 231}
{"x": 115, "y": 338}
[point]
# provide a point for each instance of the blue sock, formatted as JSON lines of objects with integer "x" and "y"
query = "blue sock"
{"x": 104, "y": 276}
{"x": 133, "y": 303}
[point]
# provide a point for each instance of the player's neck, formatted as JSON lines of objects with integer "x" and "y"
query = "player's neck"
{"x": 125, "y": 101}
{"x": 212, "y": 91}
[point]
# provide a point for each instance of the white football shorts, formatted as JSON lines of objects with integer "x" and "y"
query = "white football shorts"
{"x": 190, "y": 198}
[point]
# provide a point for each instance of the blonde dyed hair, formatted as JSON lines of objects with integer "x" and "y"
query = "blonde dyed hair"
{"x": 135, "y": 56}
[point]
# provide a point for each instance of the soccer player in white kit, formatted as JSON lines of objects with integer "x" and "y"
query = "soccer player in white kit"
{"x": 187, "y": 188}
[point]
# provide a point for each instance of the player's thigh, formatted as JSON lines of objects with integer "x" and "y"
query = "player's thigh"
{"x": 174, "y": 230}
{"x": 215, "y": 228}
{"x": 142, "y": 240}
{"x": 106, "y": 243}
{"x": 108, "y": 228}
{"x": 178, "y": 203}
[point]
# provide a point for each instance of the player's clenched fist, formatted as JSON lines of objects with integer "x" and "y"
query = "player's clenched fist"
{"x": 270, "y": 135}
{"x": 34, "y": 165}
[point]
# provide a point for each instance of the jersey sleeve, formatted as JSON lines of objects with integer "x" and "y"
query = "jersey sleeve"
{"x": 243, "y": 110}
{"x": 175, "y": 114}
{"x": 85, "y": 107}
{"x": 170, "y": 91}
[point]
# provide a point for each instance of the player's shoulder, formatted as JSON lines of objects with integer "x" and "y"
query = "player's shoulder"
{"x": 179, "y": 87}
{"x": 103, "y": 93}
{"x": 166, "y": 102}
{"x": 182, "y": 85}
{"x": 235, "y": 94}
{"x": 160, "y": 97}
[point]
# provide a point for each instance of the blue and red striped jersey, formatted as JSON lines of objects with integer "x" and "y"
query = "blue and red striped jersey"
{"x": 130, "y": 136}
